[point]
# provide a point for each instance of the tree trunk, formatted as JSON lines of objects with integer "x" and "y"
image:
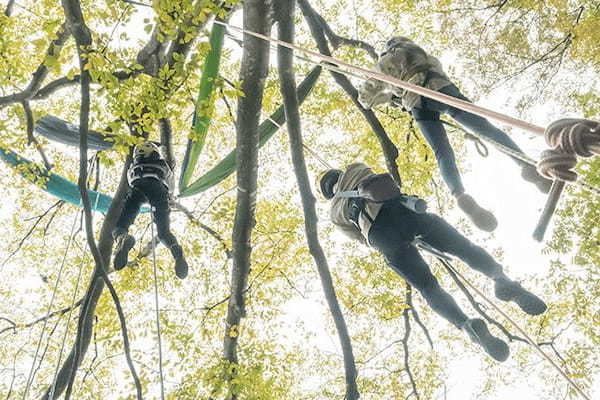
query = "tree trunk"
{"x": 285, "y": 18}
{"x": 255, "y": 61}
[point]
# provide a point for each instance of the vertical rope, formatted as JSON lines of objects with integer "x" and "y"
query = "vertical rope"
{"x": 62, "y": 264}
{"x": 445, "y": 260}
{"x": 160, "y": 358}
{"x": 62, "y": 346}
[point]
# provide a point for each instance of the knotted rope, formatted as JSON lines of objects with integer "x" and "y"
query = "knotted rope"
{"x": 568, "y": 138}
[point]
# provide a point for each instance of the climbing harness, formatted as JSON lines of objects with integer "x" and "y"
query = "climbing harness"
{"x": 53, "y": 296}
{"x": 445, "y": 259}
{"x": 156, "y": 304}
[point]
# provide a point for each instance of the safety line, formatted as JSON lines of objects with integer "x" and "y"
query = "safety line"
{"x": 60, "y": 270}
{"x": 445, "y": 260}
{"x": 355, "y": 71}
{"x": 62, "y": 347}
{"x": 458, "y": 103}
{"x": 160, "y": 356}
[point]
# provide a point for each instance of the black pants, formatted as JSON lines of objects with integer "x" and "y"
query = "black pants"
{"x": 392, "y": 233}
{"x": 427, "y": 117}
{"x": 151, "y": 191}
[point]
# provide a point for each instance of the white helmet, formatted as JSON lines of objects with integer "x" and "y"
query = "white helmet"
{"x": 145, "y": 150}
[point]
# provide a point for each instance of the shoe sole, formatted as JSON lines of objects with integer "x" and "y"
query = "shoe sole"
{"x": 528, "y": 302}
{"x": 121, "y": 257}
{"x": 495, "y": 347}
{"x": 181, "y": 271}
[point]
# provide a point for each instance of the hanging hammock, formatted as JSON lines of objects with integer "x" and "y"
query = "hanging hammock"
{"x": 54, "y": 184}
{"x": 61, "y": 131}
{"x": 265, "y": 131}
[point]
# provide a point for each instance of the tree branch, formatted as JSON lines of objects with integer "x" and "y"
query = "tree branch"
{"x": 41, "y": 72}
{"x": 390, "y": 152}
{"x": 408, "y": 300}
{"x": 285, "y": 25}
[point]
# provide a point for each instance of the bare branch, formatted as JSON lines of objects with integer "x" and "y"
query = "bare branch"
{"x": 408, "y": 300}
{"x": 290, "y": 100}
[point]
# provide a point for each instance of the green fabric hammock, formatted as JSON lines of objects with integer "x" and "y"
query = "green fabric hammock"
{"x": 205, "y": 101}
{"x": 265, "y": 131}
{"x": 54, "y": 184}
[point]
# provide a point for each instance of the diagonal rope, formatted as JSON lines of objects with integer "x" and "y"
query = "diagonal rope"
{"x": 62, "y": 346}
{"x": 445, "y": 260}
{"x": 160, "y": 357}
{"x": 60, "y": 270}
{"x": 363, "y": 73}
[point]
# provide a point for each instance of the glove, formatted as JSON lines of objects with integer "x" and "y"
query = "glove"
{"x": 372, "y": 93}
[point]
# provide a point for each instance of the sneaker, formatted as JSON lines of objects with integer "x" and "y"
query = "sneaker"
{"x": 124, "y": 243}
{"x": 181, "y": 265}
{"x": 507, "y": 290}
{"x": 478, "y": 332}
{"x": 530, "y": 174}
{"x": 482, "y": 218}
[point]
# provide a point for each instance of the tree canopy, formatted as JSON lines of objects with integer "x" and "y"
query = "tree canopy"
{"x": 278, "y": 304}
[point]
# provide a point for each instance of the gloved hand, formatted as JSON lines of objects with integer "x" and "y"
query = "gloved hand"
{"x": 372, "y": 93}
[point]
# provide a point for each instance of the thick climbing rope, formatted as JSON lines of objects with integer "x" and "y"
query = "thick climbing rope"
{"x": 64, "y": 340}
{"x": 348, "y": 68}
{"x": 156, "y": 304}
{"x": 54, "y": 290}
{"x": 445, "y": 260}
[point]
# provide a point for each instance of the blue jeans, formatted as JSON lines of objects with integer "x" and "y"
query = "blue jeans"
{"x": 428, "y": 120}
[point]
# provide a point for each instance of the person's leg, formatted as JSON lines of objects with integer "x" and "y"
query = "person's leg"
{"x": 392, "y": 238}
{"x": 391, "y": 234}
{"x": 123, "y": 240}
{"x": 158, "y": 196}
{"x": 438, "y": 233}
{"x": 483, "y": 127}
{"x": 433, "y": 130}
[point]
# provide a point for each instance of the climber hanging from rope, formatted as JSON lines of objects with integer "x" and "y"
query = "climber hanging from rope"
{"x": 405, "y": 60}
{"x": 363, "y": 208}
{"x": 150, "y": 180}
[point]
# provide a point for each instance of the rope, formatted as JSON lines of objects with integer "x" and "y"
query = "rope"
{"x": 62, "y": 346}
{"x": 453, "y": 101}
{"x": 62, "y": 264}
{"x": 362, "y": 73}
{"x": 568, "y": 138}
{"x": 445, "y": 260}
{"x": 160, "y": 357}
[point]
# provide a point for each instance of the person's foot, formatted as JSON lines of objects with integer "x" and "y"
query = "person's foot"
{"x": 482, "y": 218}
{"x": 507, "y": 290}
{"x": 124, "y": 243}
{"x": 530, "y": 174}
{"x": 181, "y": 265}
{"x": 479, "y": 334}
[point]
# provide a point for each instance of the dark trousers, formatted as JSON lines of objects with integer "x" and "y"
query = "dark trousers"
{"x": 392, "y": 233}
{"x": 151, "y": 191}
{"x": 428, "y": 120}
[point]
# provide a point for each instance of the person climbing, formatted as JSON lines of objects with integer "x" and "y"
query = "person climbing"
{"x": 391, "y": 227}
{"x": 405, "y": 60}
{"x": 150, "y": 180}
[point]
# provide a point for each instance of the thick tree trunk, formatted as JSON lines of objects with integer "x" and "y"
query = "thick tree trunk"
{"x": 285, "y": 18}
{"x": 255, "y": 61}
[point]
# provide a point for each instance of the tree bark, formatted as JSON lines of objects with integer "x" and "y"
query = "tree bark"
{"x": 255, "y": 61}
{"x": 317, "y": 27}
{"x": 285, "y": 19}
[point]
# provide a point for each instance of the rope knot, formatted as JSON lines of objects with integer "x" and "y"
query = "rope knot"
{"x": 568, "y": 138}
